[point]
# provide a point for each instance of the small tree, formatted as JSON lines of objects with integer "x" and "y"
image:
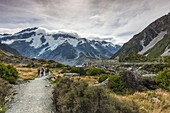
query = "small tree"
{"x": 163, "y": 78}
{"x": 79, "y": 70}
{"x": 115, "y": 83}
{"x": 94, "y": 71}
{"x": 103, "y": 77}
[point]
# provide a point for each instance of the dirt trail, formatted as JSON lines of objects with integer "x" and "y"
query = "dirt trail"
{"x": 33, "y": 97}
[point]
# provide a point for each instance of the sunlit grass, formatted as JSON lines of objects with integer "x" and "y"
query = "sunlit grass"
{"x": 91, "y": 80}
{"x": 156, "y": 101}
{"x": 56, "y": 71}
{"x": 27, "y": 73}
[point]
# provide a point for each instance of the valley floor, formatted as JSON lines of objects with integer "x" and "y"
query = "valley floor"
{"x": 33, "y": 97}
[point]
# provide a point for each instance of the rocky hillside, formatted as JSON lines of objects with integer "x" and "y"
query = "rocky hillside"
{"x": 65, "y": 47}
{"x": 154, "y": 40}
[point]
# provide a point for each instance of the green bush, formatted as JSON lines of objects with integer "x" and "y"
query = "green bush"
{"x": 54, "y": 65}
{"x": 94, "y": 71}
{"x": 32, "y": 65}
{"x": 134, "y": 57}
{"x": 163, "y": 79}
{"x": 2, "y": 109}
{"x": 59, "y": 65}
{"x": 77, "y": 97}
{"x": 167, "y": 59}
{"x": 8, "y": 73}
{"x": 103, "y": 77}
{"x": 79, "y": 70}
{"x": 12, "y": 71}
{"x": 4, "y": 91}
{"x": 147, "y": 83}
{"x": 156, "y": 67}
{"x": 115, "y": 83}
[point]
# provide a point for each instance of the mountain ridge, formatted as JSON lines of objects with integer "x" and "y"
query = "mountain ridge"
{"x": 58, "y": 45}
{"x": 155, "y": 35}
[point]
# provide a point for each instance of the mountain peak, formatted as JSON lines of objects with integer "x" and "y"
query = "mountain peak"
{"x": 45, "y": 31}
{"x": 27, "y": 30}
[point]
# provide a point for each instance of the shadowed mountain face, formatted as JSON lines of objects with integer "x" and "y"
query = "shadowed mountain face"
{"x": 7, "y": 49}
{"x": 154, "y": 40}
{"x": 65, "y": 47}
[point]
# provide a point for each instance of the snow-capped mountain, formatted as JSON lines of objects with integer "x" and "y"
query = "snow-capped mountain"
{"x": 64, "y": 46}
{"x": 154, "y": 40}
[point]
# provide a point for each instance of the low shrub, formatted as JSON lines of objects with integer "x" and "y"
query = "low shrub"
{"x": 77, "y": 97}
{"x": 115, "y": 83}
{"x": 134, "y": 57}
{"x": 94, "y": 71}
{"x": 8, "y": 73}
{"x": 163, "y": 79}
{"x": 103, "y": 77}
{"x": 79, "y": 70}
{"x": 155, "y": 68}
{"x": 64, "y": 70}
{"x": 147, "y": 83}
{"x": 4, "y": 91}
{"x": 55, "y": 65}
{"x": 130, "y": 79}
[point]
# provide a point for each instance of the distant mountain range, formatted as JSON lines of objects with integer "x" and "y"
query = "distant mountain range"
{"x": 65, "y": 47}
{"x": 154, "y": 40}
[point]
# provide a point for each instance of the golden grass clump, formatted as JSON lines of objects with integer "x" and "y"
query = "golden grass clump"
{"x": 56, "y": 72}
{"x": 89, "y": 79}
{"x": 27, "y": 73}
{"x": 156, "y": 101}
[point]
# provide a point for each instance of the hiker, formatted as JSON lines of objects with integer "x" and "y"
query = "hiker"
{"x": 42, "y": 72}
{"x": 39, "y": 72}
{"x": 47, "y": 72}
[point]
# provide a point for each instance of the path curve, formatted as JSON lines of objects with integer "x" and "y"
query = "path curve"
{"x": 33, "y": 97}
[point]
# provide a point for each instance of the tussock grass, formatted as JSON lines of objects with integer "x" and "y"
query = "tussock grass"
{"x": 157, "y": 101}
{"x": 56, "y": 71}
{"x": 89, "y": 79}
{"x": 27, "y": 73}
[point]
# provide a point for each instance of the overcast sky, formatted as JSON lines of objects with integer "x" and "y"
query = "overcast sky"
{"x": 111, "y": 20}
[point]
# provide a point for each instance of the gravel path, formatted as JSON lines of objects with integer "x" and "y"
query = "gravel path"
{"x": 33, "y": 97}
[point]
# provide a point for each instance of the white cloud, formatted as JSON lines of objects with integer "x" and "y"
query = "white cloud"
{"x": 120, "y": 19}
{"x": 9, "y": 31}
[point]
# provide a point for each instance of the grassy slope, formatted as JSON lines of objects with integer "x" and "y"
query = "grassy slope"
{"x": 27, "y": 73}
{"x": 160, "y": 47}
{"x": 133, "y": 45}
{"x": 157, "y": 50}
